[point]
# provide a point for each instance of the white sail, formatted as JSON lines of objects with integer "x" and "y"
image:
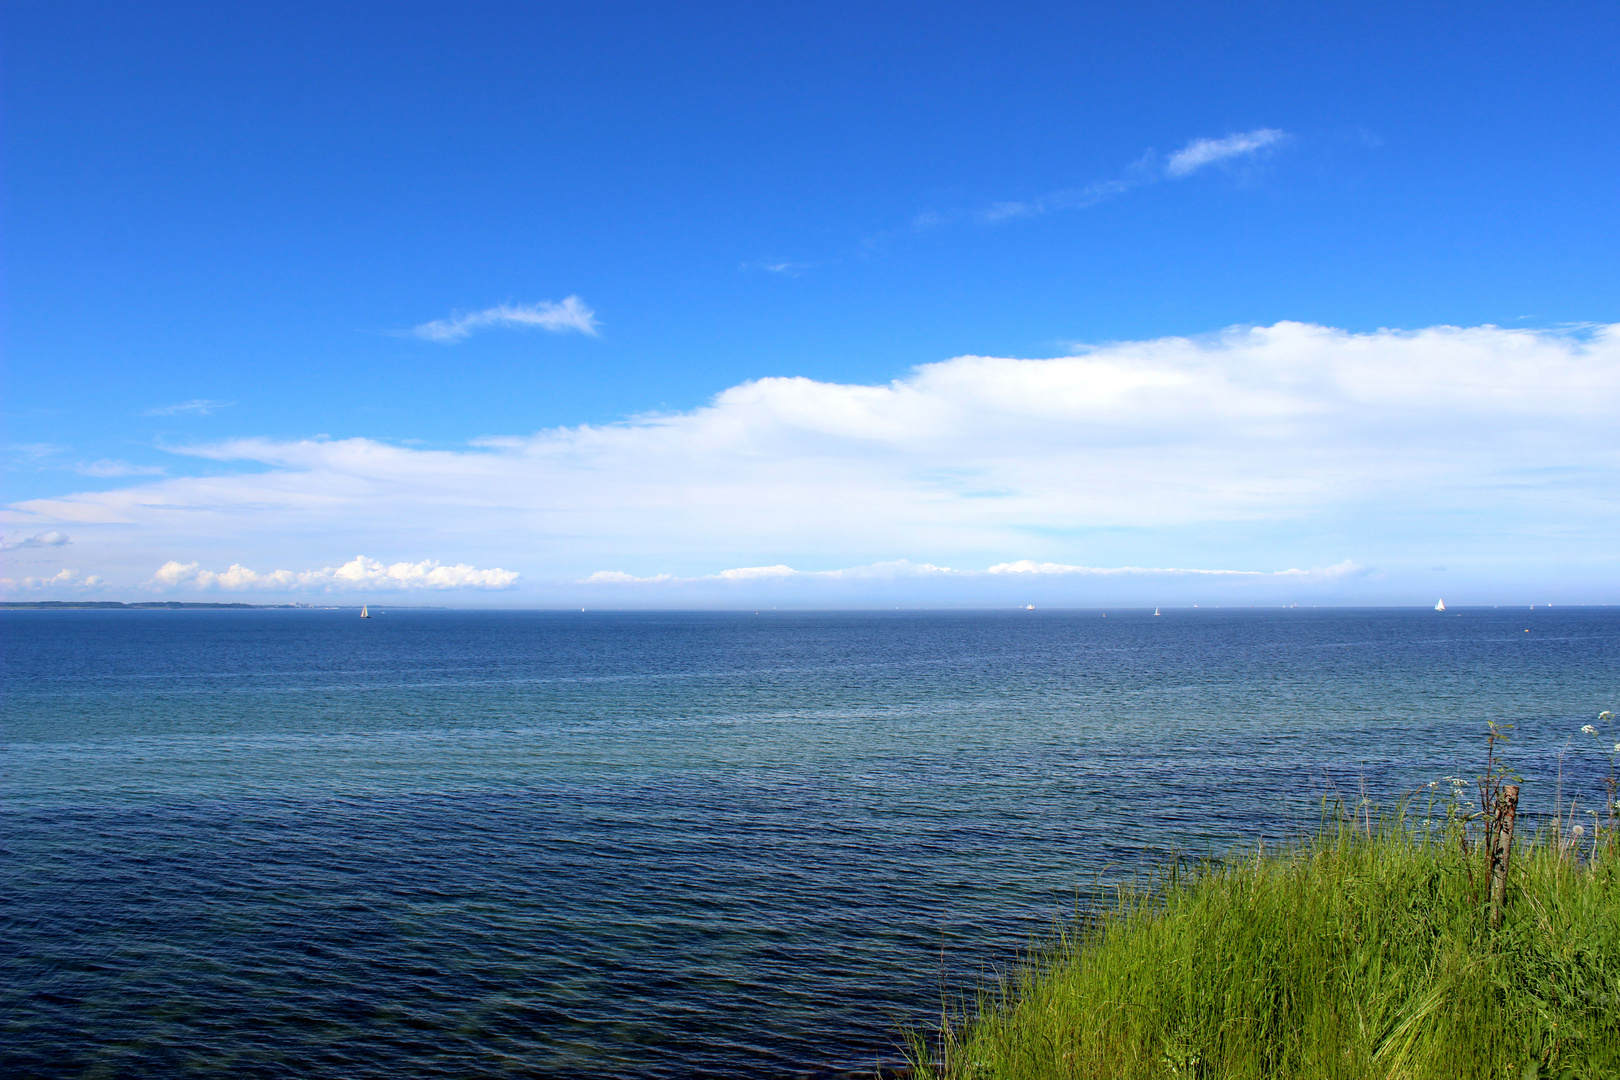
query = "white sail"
{"x": 1439, "y": 605}
{"x": 364, "y": 614}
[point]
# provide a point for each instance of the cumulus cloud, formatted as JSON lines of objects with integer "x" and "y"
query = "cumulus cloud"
{"x": 196, "y": 406}
{"x": 570, "y": 314}
{"x": 1201, "y": 152}
{"x": 59, "y": 579}
{"x": 1256, "y": 448}
{"x": 50, "y": 538}
{"x": 358, "y": 573}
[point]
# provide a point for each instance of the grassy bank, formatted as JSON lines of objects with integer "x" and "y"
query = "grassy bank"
{"x": 1363, "y": 951}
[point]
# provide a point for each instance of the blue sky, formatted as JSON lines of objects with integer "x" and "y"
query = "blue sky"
{"x": 492, "y": 287}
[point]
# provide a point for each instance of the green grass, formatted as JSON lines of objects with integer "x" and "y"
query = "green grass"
{"x": 1358, "y": 952}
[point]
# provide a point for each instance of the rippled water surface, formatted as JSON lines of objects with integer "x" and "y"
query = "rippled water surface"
{"x": 291, "y": 843}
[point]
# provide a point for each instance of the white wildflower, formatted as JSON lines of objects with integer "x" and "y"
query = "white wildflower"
{"x": 1578, "y": 831}
{"x": 1588, "y": 730}
{"x": 1605, "y": 715}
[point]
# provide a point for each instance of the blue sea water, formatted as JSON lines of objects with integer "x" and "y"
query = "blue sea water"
{"x": 435, "y": 843}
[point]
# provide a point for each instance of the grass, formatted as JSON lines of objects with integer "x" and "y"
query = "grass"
{"x": 1364, "y": 950}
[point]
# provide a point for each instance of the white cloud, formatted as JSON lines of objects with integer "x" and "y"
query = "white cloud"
{"x": 199, "y": 406}
{"x": 619, "y": 577}
{"x": 754, "y": 573}
{"x": 902, "y": 568}
{"x": 60, "y": 579}
{"x": 1335, "y": 572}
{"x": 1257, "y": 449}
{"x": 1068, "y": 199}
{"x": 109, "y": 467}
{"x": 173, "y": 573}
{"x": 570, "y": 314}
{"x": 1011, "y": 211}
{"x": 1144, "y": 170}
{"x": 893, "y": 569}
{"x": 52, "y": 538}
{"x": 35, "y": 451}
{"x": 358, "y": 573}
{"x": 783, "y": 267}
{"x": 1201, "y": 152}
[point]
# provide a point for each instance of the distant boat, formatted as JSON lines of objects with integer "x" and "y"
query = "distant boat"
{"x": 1439, "y": 605}
{"x": 1155, "y": 611}
{"x": 364, "y": 614}
{"x": 1029, "y": 607}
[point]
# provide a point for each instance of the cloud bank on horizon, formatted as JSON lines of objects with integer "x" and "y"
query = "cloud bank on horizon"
{"x": 358, "y": 573}
{"x": 903, "y": 568}
{"x": 1292, "y": 455}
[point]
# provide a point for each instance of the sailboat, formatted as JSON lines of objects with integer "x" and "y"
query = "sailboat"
{"x": 1155, "y": 611}
{"x": 1439, "y": 605}
{"x": 364, "y": 614}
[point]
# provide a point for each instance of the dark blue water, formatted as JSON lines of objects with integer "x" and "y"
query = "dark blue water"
{"x": 291, "y": 843}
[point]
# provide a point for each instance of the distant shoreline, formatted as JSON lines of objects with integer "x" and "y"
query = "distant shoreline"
{"x": 57, "y": 605}
{"x": 1140, "y": 608}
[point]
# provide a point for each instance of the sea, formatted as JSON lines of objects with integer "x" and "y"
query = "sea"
{"x": 295, "y": 843}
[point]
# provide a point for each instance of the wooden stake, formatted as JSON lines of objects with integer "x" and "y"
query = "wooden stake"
{"x": 1501, "y": 837}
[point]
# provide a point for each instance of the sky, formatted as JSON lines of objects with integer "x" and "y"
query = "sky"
{"x": 810, "y": 305}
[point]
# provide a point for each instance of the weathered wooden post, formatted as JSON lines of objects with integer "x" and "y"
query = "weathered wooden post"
{"x": 1501, "y": 838}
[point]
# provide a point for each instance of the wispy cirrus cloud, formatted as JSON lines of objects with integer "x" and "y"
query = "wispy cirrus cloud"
{"x": 1068, "y": 199}
{"x": 782, "y": 267}
{"x": 359, "y": 573}
{"x": 34, "y": 453}
{"x": 40, "y": 455}
{"x": 196, "y": 406}
{"x": 1201, "y": 152}
{"x": 569, "y": 314}
{"x": 1147, "y": 169}
{"x": 109, "y": 467}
